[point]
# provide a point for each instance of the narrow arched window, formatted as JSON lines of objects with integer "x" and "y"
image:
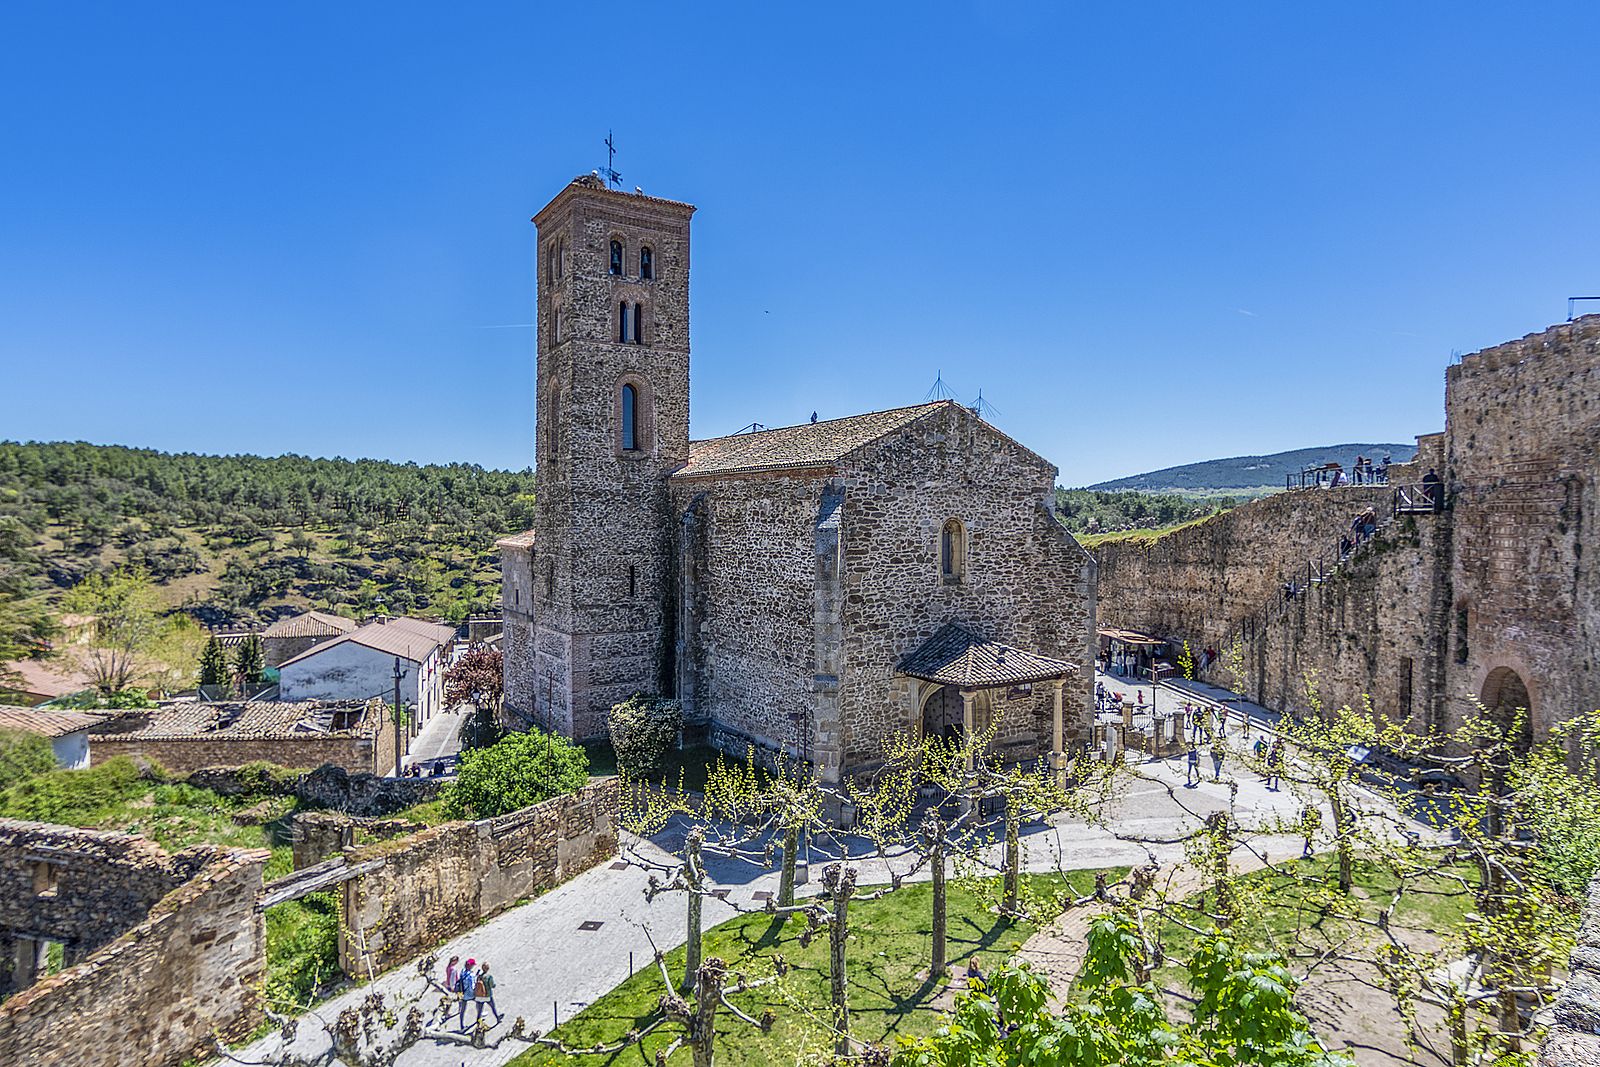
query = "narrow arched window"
{"x": 633, "y": 581}
{"x": 622, "y": 321}
{"x": 555, "y": 325}
{"x": 561, "y": 257}
{"x": 638, "y": 324}
{"x": 552, "y": 433}
{"x": 616, "y": 258}
{"x": 647, "y": 265}
{"x": 952, "y": 550}
{"x": 630, "y": 419}
{"x": 550, "y": 263}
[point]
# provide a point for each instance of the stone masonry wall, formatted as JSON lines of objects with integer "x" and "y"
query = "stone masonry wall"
{"x": 182, "y": 970}
{"x": 749, "y": 656}
{"x": 185, "y": 755}
{"x": 1522, "y": 432}
{"x": 1027, "y": 583}
{"x": 1574, "y": 1039}
{"x": 446, "y": 880}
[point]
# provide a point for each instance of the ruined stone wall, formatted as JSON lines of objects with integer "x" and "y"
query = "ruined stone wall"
{"x": 749, "y": 656}
{"x": 446, "y": 880}
{"x": 185, "y": 755}
{"x": 181, "y": 970}
{"x": 1200, "y": 582}
{"x": 1026, "y": 582}
{"x": 327, "y": 786}
{"x": 1523, "y": 438}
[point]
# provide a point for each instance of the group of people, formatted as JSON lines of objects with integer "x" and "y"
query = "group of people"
{"x": 1362, "y": 472}
{"x": 1362, "y": 529}
{"x": 470, "y": 983}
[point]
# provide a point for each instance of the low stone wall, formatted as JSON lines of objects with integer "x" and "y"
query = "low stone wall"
{"x": 189, "y": 969}
{"x": 330, "y": 787}
{"x": 316, "y": 835}
{"x": 1574, "y": 1040}
{"x": 182, "y": 755}
{"x": 446, "y": 880}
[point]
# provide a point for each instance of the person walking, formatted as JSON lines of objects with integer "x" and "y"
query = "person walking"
{"x": 452, "y": 971}
{"x": 1222, "y": 721}
{"x": 485, "y": 994}
{"x": 1217, "y": 755}
{"x": 467, "y": 986}
{"x": 1193, "y": 778}
{"x": 1275, "y": 765}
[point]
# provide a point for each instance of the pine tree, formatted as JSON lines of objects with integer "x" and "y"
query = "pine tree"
{"x": 248, "y": 664}
{"x": 213, "y": 663}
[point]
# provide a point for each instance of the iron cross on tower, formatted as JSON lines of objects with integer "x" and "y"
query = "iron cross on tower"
{"x": 611, "y": 173}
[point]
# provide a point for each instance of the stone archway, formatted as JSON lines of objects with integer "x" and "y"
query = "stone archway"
{"x": 1505, "y": 694}
{"x": 941, "y": 713}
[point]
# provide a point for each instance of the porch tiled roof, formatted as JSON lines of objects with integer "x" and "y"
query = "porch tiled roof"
{"x": 956, "y": 656}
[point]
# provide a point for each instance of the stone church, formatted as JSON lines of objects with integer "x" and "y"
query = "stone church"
{"x": 810, "y": 589}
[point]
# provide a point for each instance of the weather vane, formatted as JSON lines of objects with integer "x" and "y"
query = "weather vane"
{"x": 611, "y": 173}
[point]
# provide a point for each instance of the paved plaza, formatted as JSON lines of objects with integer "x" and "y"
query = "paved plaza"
{"x": 548, "y": 965}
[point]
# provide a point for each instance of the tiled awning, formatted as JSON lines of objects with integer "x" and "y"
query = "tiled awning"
{"x": 956, "y": 656}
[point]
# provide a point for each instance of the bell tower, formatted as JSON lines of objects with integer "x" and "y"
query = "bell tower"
{"x": 613, "y": 425}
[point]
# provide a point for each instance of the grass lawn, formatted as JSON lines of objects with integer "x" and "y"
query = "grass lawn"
{"x": 887, "y": 962}
{"x": 691, "y": 765}
{"x": 1301, "y": 913}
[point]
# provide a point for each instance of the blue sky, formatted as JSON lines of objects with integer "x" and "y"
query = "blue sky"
{"x": 1149, "y": 235}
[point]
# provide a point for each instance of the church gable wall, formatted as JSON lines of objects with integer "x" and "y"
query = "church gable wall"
{"x": 1025, "y": 581}
{"x": 749, "y": 634}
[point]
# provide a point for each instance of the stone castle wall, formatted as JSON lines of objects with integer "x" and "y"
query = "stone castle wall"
{"x": 1522, "y": 433}
{"x": 183, "y": 968}
{"x": 1026, "y": 582}
{"x": 446, "y": 880}
{"x": 1574, "y": 1037}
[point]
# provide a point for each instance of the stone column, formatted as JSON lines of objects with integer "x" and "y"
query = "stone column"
{"x": 967, "y": 731}
{"x": 1058, "y": 760}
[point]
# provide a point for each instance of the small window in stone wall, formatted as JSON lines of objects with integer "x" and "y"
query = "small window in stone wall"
{"x": 1405, "y": 687}
{"x": 952, "y": 552}
{"x": 1461, "y": 635}
{"x": 633, "y": 581}
{"x": 46, "y": 878}
{"x": 550, "y": 580}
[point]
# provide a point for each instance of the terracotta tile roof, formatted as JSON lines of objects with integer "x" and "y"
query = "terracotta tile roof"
{"x": 310, "y": 624}
{"x": 48, "y": 678}
{"x": 813, "y": 444}
{"x": 46, "y": 722}
{"x": 410, "y": 639}
{"x": 956, "y": 656}
{"x": 241, "y": 719}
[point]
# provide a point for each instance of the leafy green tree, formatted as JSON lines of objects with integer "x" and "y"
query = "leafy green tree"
{"x": 127, "y": 626}
{"x": 521, "y": 769}
{"x": 214, "y": 663}
{"x": 1243, "y": 1014}
{"x": 23, "y": 756}
{"x": 249, "y": 665}
{"x": 643, "y": 730}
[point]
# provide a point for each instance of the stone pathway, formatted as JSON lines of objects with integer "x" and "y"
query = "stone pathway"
{"x": 442, "y": 735}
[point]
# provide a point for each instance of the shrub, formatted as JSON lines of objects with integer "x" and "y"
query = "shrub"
{"x": 23, "y": 756}
{"x": 519, "y": 770}
{"x": 643, "y": 730}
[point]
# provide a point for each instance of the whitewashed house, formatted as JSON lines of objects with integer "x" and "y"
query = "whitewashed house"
{"x": 361, "y": 664}
{"x": 68, "y": 731}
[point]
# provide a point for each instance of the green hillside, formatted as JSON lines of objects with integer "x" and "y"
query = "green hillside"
{"x": 1251, "y": 472}
{"x": 245, "y": 539}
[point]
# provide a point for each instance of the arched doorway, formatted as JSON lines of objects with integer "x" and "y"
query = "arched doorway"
{"x": 1505, "y": 694}
{"x": 941, "y": 714}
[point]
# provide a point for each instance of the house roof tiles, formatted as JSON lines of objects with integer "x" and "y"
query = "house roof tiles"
{"x": 956, "y": 656}
{"x": 410, "y": 639}
{"x": 46, "y": 722}
{"x": 814, "y": 444}
{"x": 242, "y": 719}
{"x": 310, "y": 624}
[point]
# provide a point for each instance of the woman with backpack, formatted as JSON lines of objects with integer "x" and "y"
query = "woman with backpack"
{"x": 467, "y": 987}
{"x": 485, "y": 994}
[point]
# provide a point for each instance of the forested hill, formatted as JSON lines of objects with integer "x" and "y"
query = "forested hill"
{"x": 1253, "y": 472}
{"x": 247, "y": 538}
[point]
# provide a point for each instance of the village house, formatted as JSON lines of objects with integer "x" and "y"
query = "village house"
{"x": 362, "y": 664}
{"x": 67, "y": 731}
{"x": 814, "y": 589}
{"x": 288, "y": 637}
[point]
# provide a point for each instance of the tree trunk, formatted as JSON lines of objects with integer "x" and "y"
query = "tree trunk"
{"x": 708, "y": 992}
{"x": 1342, "y": 840}
{"x": 694, "y": 876}
{"x": 1013, "y": 875}
{"x": 791, "y": 845}
{"x": 841, "y": 885}
{"x": 933, "y": 836}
